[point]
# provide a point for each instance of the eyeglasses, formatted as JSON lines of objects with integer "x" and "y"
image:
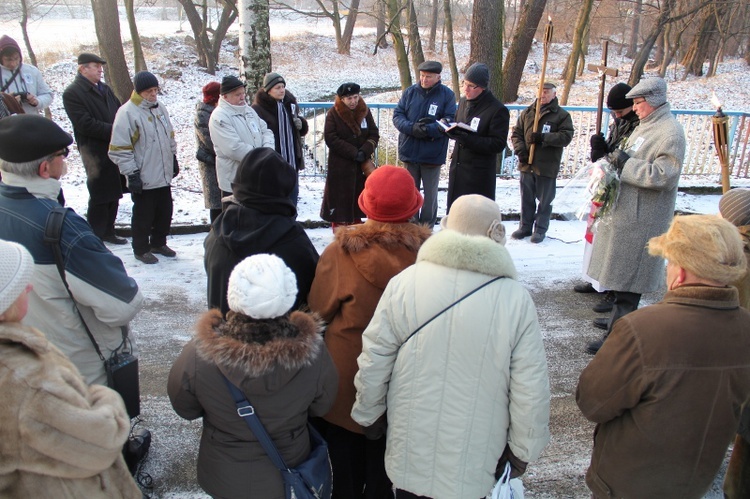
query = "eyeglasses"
{"x": 635, "y": 103}
{"x": 64, "y": 153}
{"x": 469, "y": 86}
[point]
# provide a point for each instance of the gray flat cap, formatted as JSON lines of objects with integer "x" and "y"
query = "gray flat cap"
{"x": 431, "y": 67}
{"x": 653, "y": 90}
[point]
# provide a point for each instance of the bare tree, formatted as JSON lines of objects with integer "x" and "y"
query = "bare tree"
{"x": 415, "y": 41}
{"x": 531, "y": 14}
{"x": 380, "y": 31}
{"x": 635, "y": 28}
{"x": 345, "y": 44}
{"x": 451, "y": 49}
{"x": 576, "y": 53}
{"x": 330, "y": 11}
{"x": 208, "y": 48}
{"x": 487, "y": 39}
{"x": 433, "y": 26}
{"x": 394, "y": 10}
{"x": 138, "y": 60}
{"x": 107, "y": 25}
{"x": 255, "y": 42}
{"x": 24, "y": 21}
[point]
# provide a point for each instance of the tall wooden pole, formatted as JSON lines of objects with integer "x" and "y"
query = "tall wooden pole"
{"x": 547, "y": 42}
{"x": 603, "y": 71}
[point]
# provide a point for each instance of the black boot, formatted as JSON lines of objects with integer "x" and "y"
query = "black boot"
{"x": 593, "y": 346}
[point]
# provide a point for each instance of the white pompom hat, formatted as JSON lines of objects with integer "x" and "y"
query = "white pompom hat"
{"x": 16, "y": 269}
{"x": 262, "y": 287}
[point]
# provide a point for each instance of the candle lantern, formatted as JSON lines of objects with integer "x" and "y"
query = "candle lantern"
{"x": 721, "y": 141}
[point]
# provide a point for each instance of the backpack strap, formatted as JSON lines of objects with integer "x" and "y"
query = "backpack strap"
{"x": 52, "y": 234}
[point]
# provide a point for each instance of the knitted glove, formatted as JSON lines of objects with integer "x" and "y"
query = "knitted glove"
{"x": 523, "y": 157}
{"x": 360, "y": 156}
{"x": 135, "y": 184}
{"x": 618, "y": 157}
{"x": 599, "y": 146}
{"x": 297, "y": 122}
{"x": 376, "y": 430}
{"x": 517, "y": 467}
{"x": 536, "y": 138}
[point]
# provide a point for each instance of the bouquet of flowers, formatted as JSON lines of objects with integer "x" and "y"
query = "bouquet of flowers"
{"x": 604, "y": 187}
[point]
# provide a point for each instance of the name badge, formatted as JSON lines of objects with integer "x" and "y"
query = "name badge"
{"x": 546, "y": 128}
{"x": 363, "y": 124}
{"x": 432, "y": 110}
{"x": 638, "y": 143}
{"x": 474, "y": 123}
{"x": 254, "y": 127}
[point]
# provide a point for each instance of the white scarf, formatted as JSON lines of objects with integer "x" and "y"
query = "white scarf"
{"x": 48, "y": 188}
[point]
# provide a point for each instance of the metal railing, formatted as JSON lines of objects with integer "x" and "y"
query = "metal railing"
{"x": 700, "y": 154}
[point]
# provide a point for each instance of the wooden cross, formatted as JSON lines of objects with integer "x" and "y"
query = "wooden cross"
{"x": 603, "y": 71}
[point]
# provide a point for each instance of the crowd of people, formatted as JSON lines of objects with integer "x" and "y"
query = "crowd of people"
{"x": 416, "y": 355}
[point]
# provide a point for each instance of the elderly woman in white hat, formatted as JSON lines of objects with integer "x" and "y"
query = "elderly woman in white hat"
{"x": 58, "y": 435}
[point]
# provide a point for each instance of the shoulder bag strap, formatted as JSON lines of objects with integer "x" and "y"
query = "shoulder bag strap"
{"x": 451, "y": 306}
{"x": 52, "y": 232}
{"x": 11, "y": 79}
{"x": 247, "y": 412}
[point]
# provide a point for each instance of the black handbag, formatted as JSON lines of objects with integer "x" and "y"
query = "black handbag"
{"x": 122, "y": 365}
{"x": 311, "y": 479}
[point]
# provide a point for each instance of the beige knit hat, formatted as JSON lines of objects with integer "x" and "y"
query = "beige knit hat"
{"x": 706, "y": 245}
{"x": 16, "y": 269}
{"x": 475, "y": 215}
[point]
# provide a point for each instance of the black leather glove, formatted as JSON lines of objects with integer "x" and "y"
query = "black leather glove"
{"x": 523, "y": 157}
{"x": 536, "y": 138}
{"x": 457, "y": 134}
{"x": 135, "y": 184}
{"x": 377, "y": 430}
{"x": 419, "y": 130}
{"x": 618, "y": 157}
{"x": 599, "y": 146}
{"x": 175, "y": 167}
{"x": 360, "y": 156}
{"x": 517, "y": 467}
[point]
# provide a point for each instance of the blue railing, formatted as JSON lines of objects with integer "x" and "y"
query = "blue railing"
{"x": 700, "y": 154}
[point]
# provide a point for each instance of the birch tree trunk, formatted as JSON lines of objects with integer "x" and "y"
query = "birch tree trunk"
{"x": 255, "y": 42}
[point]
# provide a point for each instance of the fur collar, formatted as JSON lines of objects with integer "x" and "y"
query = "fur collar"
{"x": 475, "y": 253}
{"x": 257, "y": 347}
{"x": 32, "y": 339}
{"x": 352, "y": 118}
{"x": 726, "y": 297}
{"x": 355, "y": 238}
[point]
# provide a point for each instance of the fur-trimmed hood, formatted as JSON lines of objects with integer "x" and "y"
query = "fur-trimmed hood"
{"x": 243, "y": 347}
{"x": 475, "y": 253}
{"x": 378, "y": 249}
{"x": 352, "y": 117}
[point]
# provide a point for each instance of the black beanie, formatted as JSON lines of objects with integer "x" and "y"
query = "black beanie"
{"x": 229, "y": 83}
{"x": 271, "y": 80}
{"x": 143, "y": 80}
{"x": 478, "y": 74}
{"x": 616, "y": 97}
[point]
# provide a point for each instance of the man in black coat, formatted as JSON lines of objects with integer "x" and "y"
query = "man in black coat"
{"x": 473, "y": 162}
{"x": 91, "y": 107}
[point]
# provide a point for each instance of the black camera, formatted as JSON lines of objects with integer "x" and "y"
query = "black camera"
{"x": 122, "y": 376}
{"x": 23, "y": 95}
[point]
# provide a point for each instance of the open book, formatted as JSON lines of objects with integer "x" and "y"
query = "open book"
{"x": 452, "y": 126}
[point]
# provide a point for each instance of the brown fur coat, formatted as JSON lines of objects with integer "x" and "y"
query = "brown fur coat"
{"x": 284, "y": 370}
{"x": 351, "y": 275}
{"x": 59, "y": 437}
{"x": 346, "y": 132}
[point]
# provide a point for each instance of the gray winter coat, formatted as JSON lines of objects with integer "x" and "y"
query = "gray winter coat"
{"x": 644, "y": 208}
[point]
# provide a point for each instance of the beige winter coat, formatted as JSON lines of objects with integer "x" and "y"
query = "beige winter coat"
{"x": 58, "y": 437}
{"x": 469, "y": 382}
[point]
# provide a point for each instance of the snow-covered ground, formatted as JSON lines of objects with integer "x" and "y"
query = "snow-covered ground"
{"x": 304, "y": 52}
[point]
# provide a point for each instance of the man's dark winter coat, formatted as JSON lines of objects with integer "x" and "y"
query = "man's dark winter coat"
{"x": 473, "y": 162}
{"x": 548, "y": 154}
{"x": 92, "y": 113}
{"x": 267, "y": 109}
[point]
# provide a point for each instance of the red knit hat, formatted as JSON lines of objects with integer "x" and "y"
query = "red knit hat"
{"x": 390, "y": 195}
